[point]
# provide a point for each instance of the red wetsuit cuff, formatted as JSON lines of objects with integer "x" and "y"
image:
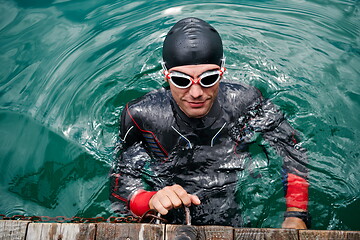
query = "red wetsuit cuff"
{"x": 139, "y": 203}
{"x": 297, "y": 192}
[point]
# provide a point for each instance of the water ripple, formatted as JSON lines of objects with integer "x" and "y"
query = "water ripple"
{"x": 71, "y": 67}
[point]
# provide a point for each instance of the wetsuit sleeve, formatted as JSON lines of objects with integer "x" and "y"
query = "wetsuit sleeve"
{"x": 127, "y": 185}
{"x": 283, "y": 138}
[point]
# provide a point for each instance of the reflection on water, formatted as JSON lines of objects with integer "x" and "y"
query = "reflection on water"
{"x": 49, "y": 171}
{"x": 68, "y": 68}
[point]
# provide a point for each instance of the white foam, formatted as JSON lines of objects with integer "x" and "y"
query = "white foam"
{"x": 173, "y": 11}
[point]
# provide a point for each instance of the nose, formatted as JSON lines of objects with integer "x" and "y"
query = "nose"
{"x": 196, "y": 91}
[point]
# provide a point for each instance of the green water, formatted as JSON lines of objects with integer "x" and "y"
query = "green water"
{"x": 68, "y": 68}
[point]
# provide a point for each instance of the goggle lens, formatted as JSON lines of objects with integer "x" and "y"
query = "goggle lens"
{"x": 210, "y": 80}
{"x": 180, "y": 82}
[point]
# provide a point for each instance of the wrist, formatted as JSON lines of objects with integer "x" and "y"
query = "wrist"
{"x": 139, "y": 202}
{"x": 303, "y": 215}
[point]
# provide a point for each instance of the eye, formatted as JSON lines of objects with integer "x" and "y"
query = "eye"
{"x": 181, "y": 81}
{"x": 208, "y": 80}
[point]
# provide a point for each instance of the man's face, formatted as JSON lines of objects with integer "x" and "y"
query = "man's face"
{"x": 195, "y": 101}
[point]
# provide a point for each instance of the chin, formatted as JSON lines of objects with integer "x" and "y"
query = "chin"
{"x": 196, "y": 113}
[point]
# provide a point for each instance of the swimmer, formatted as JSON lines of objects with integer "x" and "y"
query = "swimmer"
{"x": 185, "y": 144}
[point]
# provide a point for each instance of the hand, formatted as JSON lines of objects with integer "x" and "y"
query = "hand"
{"x": 293, "y": 222}
{"x": 171, "y": 197}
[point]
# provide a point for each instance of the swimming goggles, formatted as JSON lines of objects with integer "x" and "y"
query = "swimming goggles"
{"x": 206, "y": 79}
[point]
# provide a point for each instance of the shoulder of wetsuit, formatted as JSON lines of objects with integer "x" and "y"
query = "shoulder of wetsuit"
{"x": 151, "y": 110}
{"x": 238, "y": 96}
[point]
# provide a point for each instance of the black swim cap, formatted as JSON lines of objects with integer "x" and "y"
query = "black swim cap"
{"x": 192, "y": 41}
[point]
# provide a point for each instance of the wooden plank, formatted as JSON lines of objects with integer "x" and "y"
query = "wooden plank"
{"x": 177, "y": 232}
{"x": 198, "y": 232}
{"x": 327, "y": 234}
{"x": 127, "y": 231}
{"x": 215, "y": 232}
{"x": 353, "y": 235}
{"x": 265, "y": 234}
{"x": 71, "y": 231}
{"x": 13, "y": 229}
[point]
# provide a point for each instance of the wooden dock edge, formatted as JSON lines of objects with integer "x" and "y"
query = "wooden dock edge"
{"x": 14, "y": 229}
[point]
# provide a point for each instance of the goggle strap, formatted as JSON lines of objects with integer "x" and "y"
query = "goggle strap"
{"x": 222, "y": 70}
{"x": 166, "y": 73}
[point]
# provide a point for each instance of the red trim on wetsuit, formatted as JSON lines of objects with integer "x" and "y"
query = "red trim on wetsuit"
{"x": 139, "y": 203}
{"x": 133, "y": 120}
{"x": 297, "y": 192}
{"x": 293, "y": 139}
{"x": 116, "y": 188}
{"x": 119, "y": 197}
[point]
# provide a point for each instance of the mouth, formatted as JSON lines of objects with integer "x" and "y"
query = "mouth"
{"x": 196, "y": 104}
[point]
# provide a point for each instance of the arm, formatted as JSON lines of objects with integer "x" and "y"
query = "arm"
{"x": 295, "y": 174}
{"x": 132, "y": 176}
{"x": 127, "y": 181}
{"x": 128, "y": 191}
{"x": 127, "y": 174}
{"x": 282, "y": 138}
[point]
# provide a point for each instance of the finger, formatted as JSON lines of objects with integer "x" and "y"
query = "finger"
{"x": 173, "y": 197}
{"x": 166, "y": 198}
{"x": 158, "y": 206}
{"x": 194, "y": 199}
{"x": 182, "y": 195}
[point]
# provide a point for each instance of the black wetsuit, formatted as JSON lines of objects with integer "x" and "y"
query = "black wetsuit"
{"x": 161, "y": 146}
